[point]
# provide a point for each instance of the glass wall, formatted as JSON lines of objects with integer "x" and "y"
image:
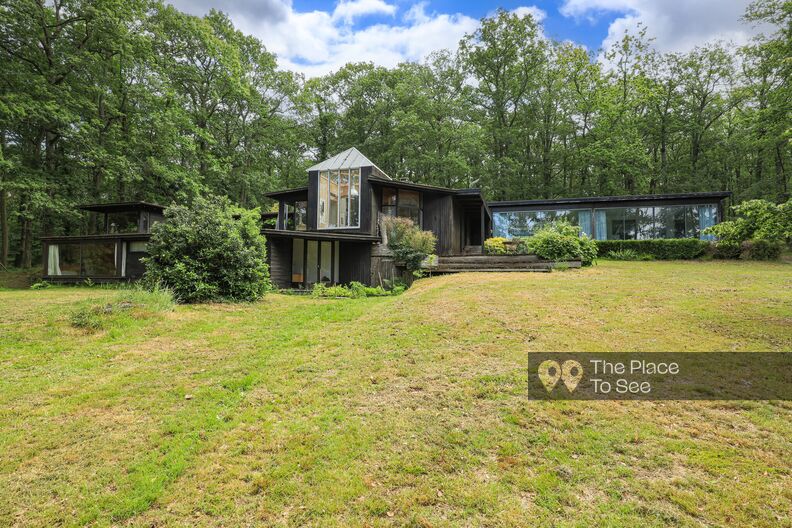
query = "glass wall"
{"x": 314, "y": 261}
{"x": 614, "y": 223}
{"x": 84, "y": 259}
{"x": 670, "y": 221}
{"x": 339, "y": 198}
{"x": 513, "y": 224}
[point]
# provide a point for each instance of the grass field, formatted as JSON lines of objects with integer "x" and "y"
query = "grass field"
{"x": 398, "y": 411}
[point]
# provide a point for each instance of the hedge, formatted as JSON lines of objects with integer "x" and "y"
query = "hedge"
{"x": 661, "y": 248}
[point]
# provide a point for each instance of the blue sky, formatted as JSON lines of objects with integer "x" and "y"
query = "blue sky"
{"x": 319, "y": 36}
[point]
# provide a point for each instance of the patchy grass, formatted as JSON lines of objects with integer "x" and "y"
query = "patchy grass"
{"x": 393, "y": 411}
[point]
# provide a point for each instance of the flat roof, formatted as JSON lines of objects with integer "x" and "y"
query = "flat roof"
{"x": 424, "y": 187}
{"x": 625, "y": 198}
{"x": 114, "y": 207}
{"x": 275, "y": 194}
{"x": 320, "y": 235}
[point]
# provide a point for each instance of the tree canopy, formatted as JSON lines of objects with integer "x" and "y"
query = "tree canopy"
{"x": 133, "y": 100}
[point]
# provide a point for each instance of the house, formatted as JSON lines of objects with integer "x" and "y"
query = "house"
{"x": 329, "y": 230}
{"x": 111, "y": 254}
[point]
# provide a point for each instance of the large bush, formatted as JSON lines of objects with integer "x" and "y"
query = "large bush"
{"x": 758, "y": 232}
{"x": 209, "y": 251}
{"x": 560, "y": 241}
{"x": 409, "y": 244}
{"x": 660, "y": 248}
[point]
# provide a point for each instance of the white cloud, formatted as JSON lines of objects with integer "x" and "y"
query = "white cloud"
{"x": 676, "y": 25}
{"x": 538, "y": 14}
{"x": 317, "y": 42}
{"x": 348, "y": 11}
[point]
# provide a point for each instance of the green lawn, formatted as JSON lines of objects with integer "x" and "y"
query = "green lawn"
{"x": 398, "y": 411}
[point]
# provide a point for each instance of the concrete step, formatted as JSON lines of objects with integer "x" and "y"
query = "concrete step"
{"x": 485, "y": 259}
{"x": 492, "y": 270}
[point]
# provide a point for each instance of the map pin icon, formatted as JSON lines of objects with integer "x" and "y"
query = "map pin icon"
{"x": 549, "y": 373}
{"x": 571, "y": 372}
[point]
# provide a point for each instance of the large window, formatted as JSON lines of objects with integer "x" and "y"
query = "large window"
{"x": 671, "y": 221}
{"x": 614, "y": 223}
{"x": 84, "y": 259}
{"x": 126, "y": 222}
{"x": 513, "y": 224}
{"x": 402, "y": 202}
{"x": 296, "y": 215}
{"x": 339, "y": 199}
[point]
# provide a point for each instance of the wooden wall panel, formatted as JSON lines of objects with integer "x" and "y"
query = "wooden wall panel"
{"x": 279, "y": 252}
{"x": 354, "y": 262}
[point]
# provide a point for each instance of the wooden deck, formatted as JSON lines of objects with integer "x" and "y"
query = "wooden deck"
{"x": 497, "y": 263}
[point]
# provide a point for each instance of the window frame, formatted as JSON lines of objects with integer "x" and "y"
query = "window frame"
{"x": 351, "y": 180}
{"x": 395, "y": 207}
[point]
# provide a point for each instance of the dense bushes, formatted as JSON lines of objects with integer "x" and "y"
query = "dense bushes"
{"x": 661, "y": 248}
{"x": 209, "y": 251}
{"x": 495, "y": 246}
{"x": 757, "y": 233}
{"x": 555, "y": 241}
{"x": 355, "y": 290}
{"x": 409, "y": 244}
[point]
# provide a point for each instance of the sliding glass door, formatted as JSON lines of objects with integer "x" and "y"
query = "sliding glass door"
{"x": 314, "y": 261}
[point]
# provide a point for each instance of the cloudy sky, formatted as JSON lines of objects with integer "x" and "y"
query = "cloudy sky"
{"x": 319, "y": 36}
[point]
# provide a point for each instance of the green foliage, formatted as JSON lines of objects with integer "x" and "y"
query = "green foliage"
{"x": 559, "y": 241}
{"x": 209, "y": 251}
{"x": 758, "y": 231}
{"x": 661, "y": 249}
{"x": 495, "y": 246}
{"x": 760, "y": 249}
{"x": 627, "y": 254}
{"x": 40, "y": 285}
{"x": 355, "y": 290}
{"x": 409, "y": 244}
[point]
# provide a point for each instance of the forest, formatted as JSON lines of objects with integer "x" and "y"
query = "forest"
{"x": 117, "y": 100}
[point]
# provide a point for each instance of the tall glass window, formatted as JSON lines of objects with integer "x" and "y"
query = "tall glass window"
{"x": 296, "y": 216}
{"x": 312, "y": 262}
{"x": 298, "y": 260}
{"x": 325, "y": 264}
{"x": 354, "y": 198}
{"x": 339, "y": 198}
{"x": 324, "y": 192}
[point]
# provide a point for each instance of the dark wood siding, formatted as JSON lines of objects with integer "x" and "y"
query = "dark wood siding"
{"x": 313, "y": 199}
{"x": 437, "y": 217}
{"x": 354, "y": 262}
{"x": 279, "y": 252}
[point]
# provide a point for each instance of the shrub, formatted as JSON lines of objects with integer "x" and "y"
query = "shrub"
{"x": 661, "y": 248}
{"x": 209, "y": 251}
{"x": 560, "y": 241}
{"x": 355, "y": 290}
{"x": 495, "y": 246}
{"x": 758, "y": 232}
{"x": 627, "y": 254}
{"x": 409, "y": 244}
{"x": 760, "y": 249}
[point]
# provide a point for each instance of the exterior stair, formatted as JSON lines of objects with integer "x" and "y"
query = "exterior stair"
{"x": 496, "y": 263}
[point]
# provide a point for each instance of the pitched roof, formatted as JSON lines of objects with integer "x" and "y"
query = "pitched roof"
{"x": 351, "y": 158}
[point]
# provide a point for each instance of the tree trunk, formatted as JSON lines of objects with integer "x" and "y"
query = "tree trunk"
{"x": 4, "y": 227}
